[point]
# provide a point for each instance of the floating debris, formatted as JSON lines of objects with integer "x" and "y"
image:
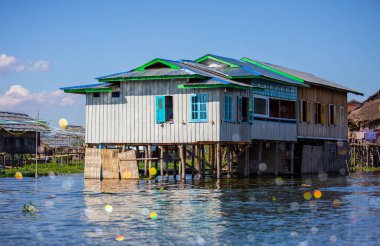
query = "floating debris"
{"x": 31, "y": 208}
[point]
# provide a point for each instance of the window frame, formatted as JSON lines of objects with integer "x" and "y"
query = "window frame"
{"x": 266, "y": 108}
{"x": 230, "y": 106}
{"x": 96, "y": 94}
{"x": 117, "y": 93}
{"x": 198, "y": 103}
{"x": 250, "y": 109}
{"x": 332, "y": 118}
{"x": 164, "y": 109}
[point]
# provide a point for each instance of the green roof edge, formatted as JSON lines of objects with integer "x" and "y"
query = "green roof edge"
{"x": 198, "y": 86}
{"x": 88, "y": 90}
{"x": 272, "y": 69}
{"x": 152, "y": 78}
{"x": 157, "y": 60}
{"x": 215, "y": 59}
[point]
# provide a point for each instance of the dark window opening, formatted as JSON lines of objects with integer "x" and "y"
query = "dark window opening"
{"x": 274, "y": 108}
{"x": 303, "y": 111}
{"x": 317, "y": 113}
{"x": 245, "y": 109}
{"x": 157, "y": 65}
{"x": 96, "y": 94}
{"x": 260, "y": 106}
{"x": 332, "y": 116}
{"x": 168, "y": 108}
{"x": 116, "y": 94}
{"x": 282, "y": 109}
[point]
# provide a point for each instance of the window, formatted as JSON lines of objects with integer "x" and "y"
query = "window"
{"x": 96, "y": 94}
{"x": 116, "y": 94}
{"x": 245, "y": 109}
{"x": 261, "y": 106}
{"x": 164, "y": 109}
{"x": 304, "y": 111}
{"x": 282, "y": 109}
{"x": 332, "y": 115}
{"x": 199, "y": 108}
{"x": 228, "y": 108}
{"x": 342, "y": 116}
{"x": 319, "y": 113}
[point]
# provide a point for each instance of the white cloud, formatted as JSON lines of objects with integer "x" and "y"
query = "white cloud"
{"x": 11, "y": 63}
{"x": 19, "y": 98}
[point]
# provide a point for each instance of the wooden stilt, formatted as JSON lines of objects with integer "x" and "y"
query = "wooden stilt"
{"x": 175, "y": 169}
{"x": 198, "y": 161}
{"x": 276, "y": 160}
{"x": 292, "y": 158}
{"x": 229, "y": 164}
{"x": 145, "y": 163}
{"x": 212, "y": 160}
{"x": 162, "y": 162}
{"x": 180, "y": 161}
{"x": 183, "y": 161}
{"x": 246, "y": 163}
{"x": 166, "y": 163}
{"x": 203, "y": 161}
{"x": 150, "y": 161}
{"x": 192, "y": 160}
{"x": 218, "y": 161}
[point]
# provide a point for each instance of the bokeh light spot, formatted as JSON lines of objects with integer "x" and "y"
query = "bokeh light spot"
{"x": 333, "y": 239}
{"x": 153, "y": 215}
{"x": 262, "y": 167}
{"x": 108, "y": 208}
{"x": 152, "y": 171}
{"x": 18, "y": 175}
{"x": 63, "y": 123}
{"x": 274, "y": 199}
{"x": 279, "y": 181}
{"x": 120, "y": 238}
{"x": 307, "y": 195}
{"x": 317, "y": 194}
{"x": 336, "y": 203}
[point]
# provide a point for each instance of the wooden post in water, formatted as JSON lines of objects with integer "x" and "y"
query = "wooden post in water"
{"x": 192, "y": 160}
{"x": 203, "y": 161}
{"x": 229, "y": 164}
{"x": 198, "y": 161}
{"x": 246, "y": 163}
{"x": 162, "y": 162}
{"x": 183, "y": 161}
{"x": 218, "y": 161}
{"x": 149, "y": 151}
{"x": 276, "y": 160}
{"x": 292, "y": 158}
{"x": 212, "y": 160}
{"x": 166, "y": 163}
{"x": 180, "y": 161}
{"x": 145, "y": 162}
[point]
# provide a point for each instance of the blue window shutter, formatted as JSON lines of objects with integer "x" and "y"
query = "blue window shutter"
{"x": 160, "y": 109}
{"x": 250, "y": 112}
{"x": 240, "y": 108}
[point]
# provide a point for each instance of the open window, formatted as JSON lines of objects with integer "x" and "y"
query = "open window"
{"x": 245, "y": 109}
{"x": 282, "y": 109}
{"x": 304, "y": 111}
{"x": 116, "y": 94}
{"x": 319, "y": 113}
{"x": 96, "y": 94}
{"x": 164, "y": 109}
{"x": 332, "y": 115}
{"x": 261, "y": 106}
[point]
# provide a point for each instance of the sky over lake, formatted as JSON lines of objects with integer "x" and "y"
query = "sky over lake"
{"x": 45, "y": 45}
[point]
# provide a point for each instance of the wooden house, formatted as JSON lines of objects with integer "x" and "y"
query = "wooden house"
{"x": 18, "y": 136}
{"x": 243, "y": 107}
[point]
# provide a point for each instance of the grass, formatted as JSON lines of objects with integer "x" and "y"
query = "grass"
{"x": 365, "y": 169}
{"x": 45, "y": 169}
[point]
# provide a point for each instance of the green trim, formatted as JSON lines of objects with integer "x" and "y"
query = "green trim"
{"x": 243, "y": 77}
{"x": 196, "y": 76}
{"x": 88, "y": 90}
{"x": 157, "y": 60}
{"x": 272, "y": 69}
{"x": 198, "y": 86}
{"x": 215, "y": 59}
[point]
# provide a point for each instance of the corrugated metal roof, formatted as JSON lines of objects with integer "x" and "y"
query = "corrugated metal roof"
{"x": 16, "y": 122}
{"x": 251, "y": 69}
{"x": 90, "y": 86}
{"x": 310, "y": 78}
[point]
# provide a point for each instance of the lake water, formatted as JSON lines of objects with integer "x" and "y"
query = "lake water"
{"x": 258, "y": 211}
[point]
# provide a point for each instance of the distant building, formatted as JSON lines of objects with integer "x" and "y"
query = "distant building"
{"x": 352, "y": 104}
{"x": 18, "y": 133}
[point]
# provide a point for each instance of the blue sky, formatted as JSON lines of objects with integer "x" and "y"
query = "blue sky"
{"x": 45, "y": 45}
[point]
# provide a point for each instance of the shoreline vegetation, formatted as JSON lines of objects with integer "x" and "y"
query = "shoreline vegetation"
{"x": 77, "y": 167}
{"x": 73, "y": 167}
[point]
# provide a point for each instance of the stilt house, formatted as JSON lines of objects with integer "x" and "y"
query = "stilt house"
{"x": 254, "y": 112}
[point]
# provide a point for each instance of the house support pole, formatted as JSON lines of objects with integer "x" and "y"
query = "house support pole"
{"x": 292, "y": 158}
{"x": 218, "y": 161}
{"x": 276, "y": 160}
{"x": 212, "y": 160}
{"x": 198, "y": 161}
{"x": 192, "y": 160}
{"x": 149, "y": 151}
{"x": 183, "y": 161}
{"x": 246, "y": 163}
{"x": 162, "y": 162}
{"x": 203, "y": 161}
{"x": 166, "y": 163}
{"x": 229, "y": 164}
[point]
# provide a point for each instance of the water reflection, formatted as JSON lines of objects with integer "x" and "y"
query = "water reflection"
{"x": 257, "y": 211}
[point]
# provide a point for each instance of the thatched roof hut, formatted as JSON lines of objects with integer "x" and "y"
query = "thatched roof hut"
{"x": 366, "y": 115}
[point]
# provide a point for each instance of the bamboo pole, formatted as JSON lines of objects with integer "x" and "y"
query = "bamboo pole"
{"x": 162, "y": 163}
{"x": 183, "y": 161}
{"x": 192, "y": 160}
{"x": 229, "y": 164}
{"x": 218, "y": 162}
{"x": 150, "y": 161}
{"x": 198, "y": 161}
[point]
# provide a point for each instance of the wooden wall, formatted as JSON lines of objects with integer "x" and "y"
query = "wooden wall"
{"x": 324, "y": 96}
{"x": 131, "y": 117}
{"x": 18, "y": 143}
